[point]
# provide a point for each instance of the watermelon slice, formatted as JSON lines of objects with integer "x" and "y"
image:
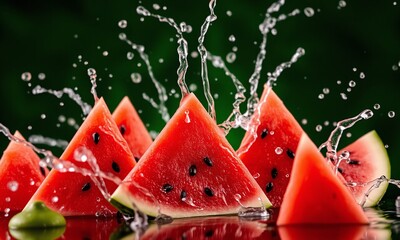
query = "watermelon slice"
{"x": 190, "y": 170}
{"x": 269, "y": 157}
{"x": 20, "y": 176}
{"x": 314, "y": 194}
{"x": 132, "y": 128}
{"x": 368, "y": 161}
{"x": 101, "y": 136}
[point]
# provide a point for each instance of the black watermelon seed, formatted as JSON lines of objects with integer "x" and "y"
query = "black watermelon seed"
{"x": 192, "y": 170}
{"x": 269, "y": 187}
{"x": 208, "y": 161}
{"x": 115, "y": 167}
{"x": 122, "y": 129}
{"x": 340, "y": 170}
{"x": 290, "y": 153}
{"x": 42, "y": 171}
{"x": 183, "y": 195}
{"x": 209, "y": 233}
{"x": 354, "y": 162}
{"x": 96, "y": 137}
{"x": 208, "y": 191}
{"x": 274, "y": 173}
{"x": 137, "y": 159}
{"x": 264, "y": 133}
{"x": 167, "y": 187}
{"x": 86, "y": 187}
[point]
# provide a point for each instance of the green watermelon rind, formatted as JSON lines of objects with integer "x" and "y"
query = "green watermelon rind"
{"x": 371, "y": 140}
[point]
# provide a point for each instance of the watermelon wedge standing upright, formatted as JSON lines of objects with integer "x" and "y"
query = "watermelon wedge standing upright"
{"x": 73, "y": 194}
{"x": 189, "y": 170}
{"x": 269, "y": 155}
{"x": 132, "y": 128}
{"x": 20, "y": 176}
{"x": 315, "y": 195}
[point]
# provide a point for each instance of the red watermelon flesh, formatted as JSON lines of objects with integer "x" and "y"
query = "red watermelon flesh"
{"x": 368, "y": 161}
{"x": 209, "y": 228}
{"x": 326, "y": 232}
{"x": 269, "y": 157}
{"x": 314, "y": 194}
{"x": 20, "y": 176}
{"x": 73, "y": 194}
{"x": 191, "y": 170}
{"x": 132, "y": 128}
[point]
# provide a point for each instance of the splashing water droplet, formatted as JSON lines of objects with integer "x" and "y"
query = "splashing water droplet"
{"x": 122, "y": 24}
{"x": 326, "y": 123}
{"x": 43, "y": 116}
{"x": 130, "y": 55}
{"x": 326, "y": 90}
{"x": 352, "y": 83}
{"x": 342, "y": 4}
{"x": 344, "y": 96}
{"x": 232, "y": 38}
{"x": 391, "y": 114}
{"x": 156, "y": 6}
{"x": 105, "y": 53}
{"x": 192, "y": 87}
{"x": 26, "y": 76}
{"x": 229, "y": 13}
{"x": 231, "y": 57}
{"x": 386, "y": 146}
{"x": 278, "y": 150}
{"x": 13, "y": 186}
{"x": 309, "y": 12}
{"x": 338, "y": 82}
{"x": 54, "y": 199}
{"x": 377, "y": 106}
{"x": 41, "y": 76}
{"x": 321, "y": 96}
{"x": 304, "y": 121}
{"x": 256, "y": 175}
{"x": 348, "y": 135}
{"x": 318, "y": 128}
{"x": 187, "y": 117}
{"x": 362, "y": 75}
{"x": 136, "y": 77}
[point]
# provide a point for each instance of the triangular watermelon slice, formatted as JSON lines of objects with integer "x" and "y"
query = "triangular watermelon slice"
{"x": 190, "y": 170}
{"x": 269, "y": 156}
{"x": 132, "y": 128}
{"x": 73, "y": 194}
{"x": 20, "y": 176}
{"x": 314, "y": 194}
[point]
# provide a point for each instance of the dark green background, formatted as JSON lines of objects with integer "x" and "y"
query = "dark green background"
{"x": 39, "y": 37}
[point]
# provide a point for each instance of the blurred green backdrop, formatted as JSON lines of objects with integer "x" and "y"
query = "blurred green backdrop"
{"x": 50, "y": 37}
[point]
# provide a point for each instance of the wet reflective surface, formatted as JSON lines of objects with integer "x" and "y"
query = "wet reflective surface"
{"x": 385, "y": 224}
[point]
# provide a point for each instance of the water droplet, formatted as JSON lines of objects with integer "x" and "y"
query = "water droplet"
{"x": 156, "y": 6}
{"x": 130, "y": 55}
{"x": 344, "y": 96}
{"x": 354, "y": 69}
{"x": 43, "y": 116}
{"x": 234, "y": 49}
{"x": 61, "y": 118}
{"x": 326, "y": 123}
{"x": 194, "y": 54}
{"x": 287, "y": 175}
{"x": 271, "y": 132}
{"x": 41, "y": 76}
{"x": 386, "y": 146}
{"x": 31, "y": 182}
{"x": 348, "y": 135}
{"x": 338, "y": 82}
{"x": 161, "y": 60}
{"x": 256, "y": 175}
{"x": 352, "y": 83}
{"x": 304, "y": 121}
{"x": 136, "y": 77}
{"x": 326, "y": 90}
{"x": 54, "y": 199}
{"x": 122, "y": 36}
{"x": 192, "y": 87}
{"x": 229, "y": 13}
{"x": 377, "y": 106}
{"x": 71, "y": 121}
{"x": 122, "y": 24}
{"x": 342, "y": 4}
{"x": 187, "y": 118}
{"x": 362, "y": 75}
{"x": 318, "y": 128}
{"x": 216, "y": 95}
{"x": 391, "y": 114}
{"x": 98, "y": 199}
{"x": 105, "y": 53}
{"x": 321, "y": 96}
{"x": 26, "y": 76}
{"x": 278, "y": 150}
{"x": 232, "y": 38}
{"x": 8, "y": 199}
{"x": 13, "y": 186}
{"x": 231, "y": 57}
{"x": 309, "y": 12}
{"x": 29, "y": 127}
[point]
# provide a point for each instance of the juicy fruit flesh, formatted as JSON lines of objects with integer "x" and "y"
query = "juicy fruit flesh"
{"x": 315, "y": 195}
{"x": 368, "y": 161}
{"x": 270, "y": 157}
{"x": 101, "y": 136}
{"x": 190, "y": 170}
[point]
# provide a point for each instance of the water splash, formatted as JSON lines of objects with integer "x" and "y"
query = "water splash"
{"x": 203, "y": 56}
{"x": 162, "y": 94}
{"x": 39, "y": 139}
{"x": 93, "y": 78}
{"x": 182, "y": 46}
{"x": 86, "y": 108}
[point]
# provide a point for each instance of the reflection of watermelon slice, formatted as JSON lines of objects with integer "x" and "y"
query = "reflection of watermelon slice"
{"x": 314, "y": 194}
{"x": 191, "y": 170}
{"x": 318, "y": 232}
{"x": 368, "y": 161}
{"x": 269, "y": 157}
{"x": 132, "y": 128}
{"x": 20, "y": 176}
{"x": 89, "y": 228}
{"x": 101, "y": 136}
{"x": 208, "y": 228}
